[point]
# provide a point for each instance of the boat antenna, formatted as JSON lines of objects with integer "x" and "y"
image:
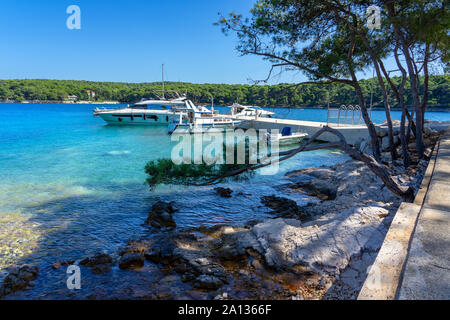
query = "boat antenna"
{"x": 162, "y": 74}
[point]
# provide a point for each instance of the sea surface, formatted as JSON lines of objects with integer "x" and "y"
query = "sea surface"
{"x": 71, "y": 186}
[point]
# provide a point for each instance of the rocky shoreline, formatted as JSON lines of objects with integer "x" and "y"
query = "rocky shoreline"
{"x": 319, "y": 251}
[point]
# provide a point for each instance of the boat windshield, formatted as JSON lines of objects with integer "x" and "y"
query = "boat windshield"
{"x": 146, "y": 106}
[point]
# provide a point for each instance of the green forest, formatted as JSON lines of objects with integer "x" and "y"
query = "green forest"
{"x": 280, "y": 95}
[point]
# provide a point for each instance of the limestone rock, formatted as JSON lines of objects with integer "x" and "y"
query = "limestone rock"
{"x": 326, "y": 244}
{"x": 282, "y": 207}
{"x": 316, "y": 187}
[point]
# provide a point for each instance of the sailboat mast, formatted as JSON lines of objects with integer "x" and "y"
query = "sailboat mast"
{"x": 162, "y": 72}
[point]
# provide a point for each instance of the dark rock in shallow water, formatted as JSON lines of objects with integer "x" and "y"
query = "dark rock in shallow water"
{"x": 282, "y": 207}
{"x": 207, "y": 282}
{"x": 99, "y": 264}
{"x": 18, "y": 279}
{"x": 317, "y": 182}
{"x": 188, "y": 276}
{"x": 137, "y": 246}
{"x": 161, "y": 215}
{"x": 161, "y": 206}
{"x": 100, "y": 258}
{"x": 322, "y": 173}
{"x": 101, "y": 268}
{"x": 131, "y": 261}
{"x": 161, "y": 249}
{"x": 224, "y": 192}
{"x": 213, "y": 269}
{"x": 316, "y": 187}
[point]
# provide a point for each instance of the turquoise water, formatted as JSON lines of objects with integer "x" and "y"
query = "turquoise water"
{"x": 71, "y": 185}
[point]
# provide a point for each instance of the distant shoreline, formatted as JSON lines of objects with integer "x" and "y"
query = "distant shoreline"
{"x": 63, "y": 102}
{"x": 429, "y": 108}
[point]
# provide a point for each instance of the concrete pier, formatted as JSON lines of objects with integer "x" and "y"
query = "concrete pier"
{"x": 353, "y": 134}
{"x": 414, "y": 260}
{"x": 427, "y": 268}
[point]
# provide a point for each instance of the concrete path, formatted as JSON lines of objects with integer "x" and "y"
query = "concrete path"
{"x": 414, "y": 260}
{"x": 427, "y": 269}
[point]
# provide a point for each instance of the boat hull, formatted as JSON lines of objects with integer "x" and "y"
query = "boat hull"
{"x": 213, "y": 127}
{"x": 293, "y": 140}
{"x": 138, "y": 118}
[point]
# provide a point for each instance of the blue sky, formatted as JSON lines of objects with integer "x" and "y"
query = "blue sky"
{"x": 126, "y": 41}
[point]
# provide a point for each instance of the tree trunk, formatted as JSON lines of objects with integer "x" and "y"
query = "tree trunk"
{"x": 416, "y": 100}
{"x": 375, "y": 145}
{"x": 425, "y": 81}
{"x": 387, "y": 108}
{"x": 401, "y": 97}
{"x": 414, "y": 82}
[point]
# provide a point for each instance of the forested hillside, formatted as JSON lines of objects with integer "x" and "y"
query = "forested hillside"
{"x": 280, "y": 95}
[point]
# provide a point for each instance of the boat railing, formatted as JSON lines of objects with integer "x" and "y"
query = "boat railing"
{"x": 344, "y": 115}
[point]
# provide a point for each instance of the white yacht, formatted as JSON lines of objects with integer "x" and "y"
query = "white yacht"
{"x": 145, "y": 112}
{"x": 249, "y": 111}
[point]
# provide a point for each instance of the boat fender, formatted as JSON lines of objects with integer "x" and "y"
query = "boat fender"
{"x": 171, "y": 128}
{"x": 120, "y": 119}
{"x": 144, "y": 117}
{"x": 132, "y": 118}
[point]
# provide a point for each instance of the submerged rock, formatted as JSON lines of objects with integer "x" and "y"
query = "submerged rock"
{"x": 207, "y": 282}
{"x": 161, "y": 252}
{"x": 100, "y": 258}
{"x": 224, "y": 192}
{"x": 321, "y": 173}
{"x": 161, "y": 215}
{"x": 19, "y": 278}
{"x": 318, "y": 182}
{"x": 139, "y": 246}
{"x": 99, "y": 263}
{"x": 321, "y": 189}
{"x": 57, "y": 265}
{"x": 101, "y": 268}
{"x": 131, "y": 261}
{"x": 282, "y": 207}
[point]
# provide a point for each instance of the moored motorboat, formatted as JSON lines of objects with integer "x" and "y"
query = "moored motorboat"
{"x": 286, "y": 136}
{"x": 200, "y": 119}
{"x": 145, "y": 112}
{"x": 238, "y": 110}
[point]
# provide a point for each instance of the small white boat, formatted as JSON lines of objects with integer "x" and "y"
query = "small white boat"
{"x": 199, "y": 119}
{"x": 249, "y": 111}
{"x": 286, "y": 136}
